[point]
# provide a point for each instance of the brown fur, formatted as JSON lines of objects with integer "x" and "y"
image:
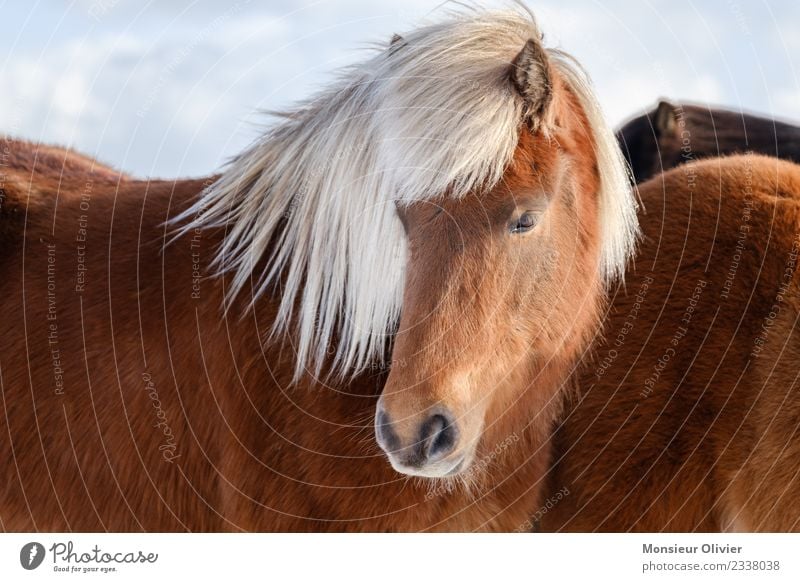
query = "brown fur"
{"x": 712, "y": 442}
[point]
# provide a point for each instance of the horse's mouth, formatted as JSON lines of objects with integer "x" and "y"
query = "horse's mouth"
{"x": 457, "y": 469}
{"x": 443, "y": 468}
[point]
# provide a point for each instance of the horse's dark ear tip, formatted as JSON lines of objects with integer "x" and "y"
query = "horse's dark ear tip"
{"x": 530, "y": 75}
{"x": 396, "y": 42}
{"x": 664, "y": 103}
{"x": 664, "y": 116}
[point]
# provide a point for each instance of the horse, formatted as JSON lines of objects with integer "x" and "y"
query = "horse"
{"x": 671, "y": 134}
{"x": 379, "y": 317}
{"x": 209, "y": 354}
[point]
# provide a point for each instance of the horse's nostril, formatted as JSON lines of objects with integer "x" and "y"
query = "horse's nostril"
{"x": 387, "y": 438}
{"x": 439, "y": 436}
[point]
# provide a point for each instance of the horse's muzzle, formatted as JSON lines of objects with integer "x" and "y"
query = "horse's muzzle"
{"x": 420, "y": 447}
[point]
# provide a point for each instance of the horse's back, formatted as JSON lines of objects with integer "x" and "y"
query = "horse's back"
{"x": 730, "y": 176}
{"x": 35, "y": 177}
{"x": 32, "y": 158}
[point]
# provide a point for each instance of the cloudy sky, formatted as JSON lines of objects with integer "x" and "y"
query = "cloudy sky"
{"x": 169, "y": 88}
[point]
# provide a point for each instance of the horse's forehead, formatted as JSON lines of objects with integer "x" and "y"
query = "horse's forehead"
{"x": 532, "y": 170}
{"x": 535, "y": 161}
{"x": 423, "y": 218}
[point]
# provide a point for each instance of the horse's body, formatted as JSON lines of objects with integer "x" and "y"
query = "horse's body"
{"x": 673, "y": 134}
{"x": 132, "y": 401}
{"x": 686, "y": 416}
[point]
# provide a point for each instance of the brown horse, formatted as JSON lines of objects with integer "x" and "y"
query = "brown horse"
{"x": 673, "y": 134}
{"x": 466, "y": 176}
{"x": 226, "y": 378}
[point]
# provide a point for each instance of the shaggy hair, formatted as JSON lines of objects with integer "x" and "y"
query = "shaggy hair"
{"x": 434, "y": 114}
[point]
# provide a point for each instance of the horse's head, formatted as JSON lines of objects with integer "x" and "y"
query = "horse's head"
{"x": 463, "y": 180}
{"x": 503, "y": 287}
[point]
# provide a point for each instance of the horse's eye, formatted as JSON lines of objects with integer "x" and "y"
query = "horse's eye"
{"x": 524, "y": 223}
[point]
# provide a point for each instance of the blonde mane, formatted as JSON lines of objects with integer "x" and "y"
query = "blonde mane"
{"x": 434, "y": 115}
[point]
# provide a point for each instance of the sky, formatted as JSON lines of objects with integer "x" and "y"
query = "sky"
{"x": 170, "y": 88}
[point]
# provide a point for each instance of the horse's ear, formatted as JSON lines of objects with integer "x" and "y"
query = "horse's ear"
{"x": 530, "y": 74}
{"x": 396, "y": 42}
{"x": 664, "y": 119}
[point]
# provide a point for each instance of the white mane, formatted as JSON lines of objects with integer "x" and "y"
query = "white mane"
{"x": 435, "y": 114}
